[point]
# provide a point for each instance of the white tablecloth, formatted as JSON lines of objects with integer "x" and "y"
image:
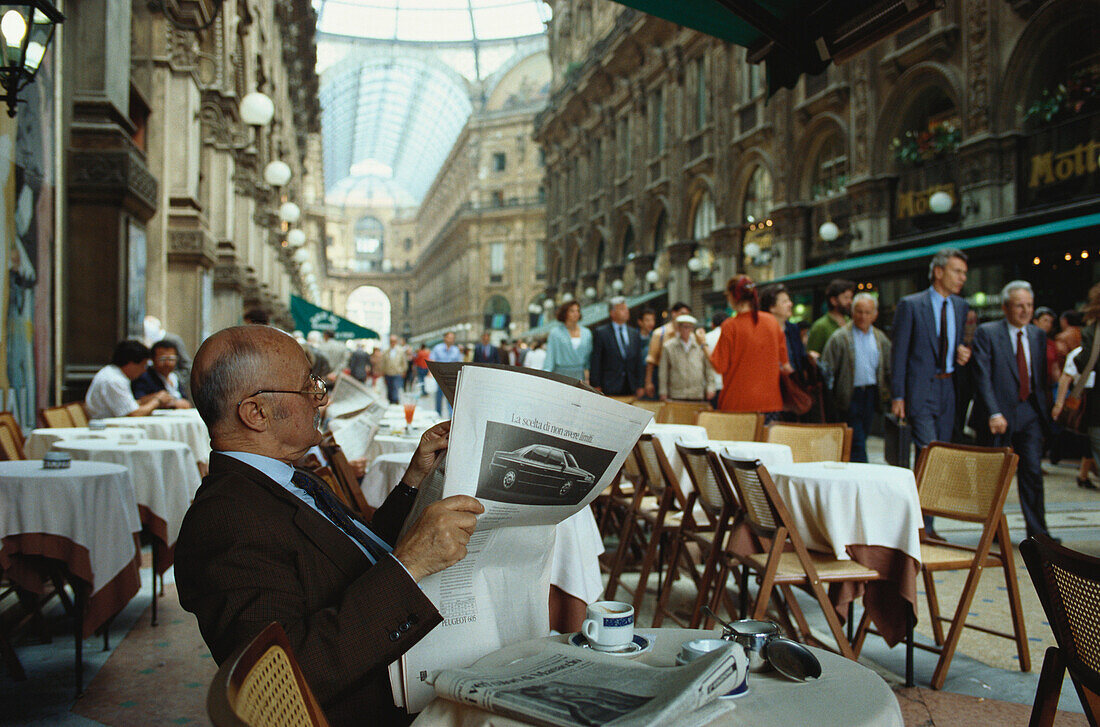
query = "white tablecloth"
{"x": 186, "y": 428}
{"x": 577, "y": 548}
{"x": 846, "y": 694}
{"x": 668, "y": 435}
{"x": 392, "y": 444}
{"x": 42, "y": 440}
{"x": 769, "y": 453}
{"x": 423, "y": 417}
{"x": 85, "y": 515}
{"x": 836, "y": 504}
{"x": 165, "y": 479}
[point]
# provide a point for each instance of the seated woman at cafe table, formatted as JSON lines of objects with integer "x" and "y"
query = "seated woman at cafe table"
{"x": 110, "y": 395}
{"x": 162, "y": 376}
{"x": 264, "y": 541}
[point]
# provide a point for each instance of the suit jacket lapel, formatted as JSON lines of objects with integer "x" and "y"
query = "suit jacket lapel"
{"x": 1009, "y": 354}
{"x": 930, "y": 322}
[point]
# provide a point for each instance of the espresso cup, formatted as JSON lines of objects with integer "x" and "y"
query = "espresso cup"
{"x": 609, "y": 626}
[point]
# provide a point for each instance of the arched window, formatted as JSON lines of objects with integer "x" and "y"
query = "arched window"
{"x": 660, "y": 232}
{"x": 369, "y": 244}
{"x": 498, "y": 313}
{"x": 704, "y": 220}
{"x": 628, "y": 242}
{"x": 601, "y": 249}
{"x": 930, "y": 128}
{"x": 830, "y": 167}
{"x": 758, "y": 200}
{"x": 369, "y": 306}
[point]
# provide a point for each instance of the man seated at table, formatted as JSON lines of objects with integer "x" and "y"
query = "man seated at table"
{"x": 110, "y": 395}
{"x": 264, "y": 541}
{"x": 161, "y": 376}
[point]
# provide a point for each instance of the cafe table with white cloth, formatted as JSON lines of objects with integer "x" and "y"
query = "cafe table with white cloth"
{"x": 577, "y": 547}
{"x": 165, "y": 479}
{"x": 41, "y": 440}
{"x": 869, "y": 513}
{"x": 85, "y": 517}
{"x": 667, "y": 435}
{"x": 847, "y": 693}
{"x": 770, "y": 454}
{"x": 173, "y": 426}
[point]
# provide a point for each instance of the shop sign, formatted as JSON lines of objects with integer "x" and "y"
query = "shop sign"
{"x": 915, "y": 204}
{"x": 1059, "y": 164}
{"x": 914, "y": 188}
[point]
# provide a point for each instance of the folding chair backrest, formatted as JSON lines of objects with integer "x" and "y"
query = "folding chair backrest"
{"x": 732, "y": 426}
{"x": 747, "y": 477}
{"x": 56, "y": 416}
{"x": 346, "y": 478}
{"x": 658, "y": 471}
{"x": 78, "y": 413}
{"x": 814, "y": 442}
{"x": 8, "y": 422}
{"x": 653, "y": 406}
{"x": 681, "y": 412}
{"x": 1068, "y": 584}
{"x": 695, "y": 459}
{"x": 964, "y": 483}
{"x": 9, "y": 447}
{"x": 263, "y": 686}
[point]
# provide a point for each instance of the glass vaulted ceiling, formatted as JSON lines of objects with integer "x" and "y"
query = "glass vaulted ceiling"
{"x": 397, "y": 79}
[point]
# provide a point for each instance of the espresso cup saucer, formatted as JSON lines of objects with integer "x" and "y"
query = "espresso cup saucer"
{"x": 638, "y": 646}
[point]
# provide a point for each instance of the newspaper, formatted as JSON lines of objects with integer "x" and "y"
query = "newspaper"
{"x": 349, "y": 397}
{"x": 533, "y": 450}
{"x": 563, "y": 685}
{"x": 355, "y": 415}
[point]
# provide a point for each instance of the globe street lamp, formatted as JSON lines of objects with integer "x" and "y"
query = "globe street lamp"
{"x": 27, "y": 27}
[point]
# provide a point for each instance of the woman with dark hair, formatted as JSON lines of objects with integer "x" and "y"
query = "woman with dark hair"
{"x": 750, "y": 353}
{"x": 569, "y": 344}
{"x": 1091, "y": 418}
{"x": 776, "y": 299}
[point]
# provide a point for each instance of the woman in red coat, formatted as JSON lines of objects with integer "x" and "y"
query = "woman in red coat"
{"x": 750, "y": 354}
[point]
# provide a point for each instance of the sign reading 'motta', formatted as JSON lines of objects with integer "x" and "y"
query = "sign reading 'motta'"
{"x": 1054, "y": 167}
{"x": 1058, "y": 163}
{"x": 915, "y": 203}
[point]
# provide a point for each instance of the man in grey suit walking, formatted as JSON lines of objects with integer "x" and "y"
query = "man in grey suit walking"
{"x": 1011, "y": 407}
{"x": 927, "y": 335}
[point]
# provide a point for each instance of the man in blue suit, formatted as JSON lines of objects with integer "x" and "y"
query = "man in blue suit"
{"x": 617, "y": 366}
{"x": 1011, "y": 407}
{"x": 927, "y": 348}
{"x": 486, "y": 352}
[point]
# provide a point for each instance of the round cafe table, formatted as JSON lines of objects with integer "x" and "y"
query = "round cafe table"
{"x": 42, "y": 440}
{"x": 392, "y": 444}
{"x": 165, "y": 479}
{"x": 188, "y": 429}
{"x": 846, "y": 694}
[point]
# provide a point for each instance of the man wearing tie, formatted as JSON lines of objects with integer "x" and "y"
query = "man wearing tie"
{"x": 486, "y": 352}
{"x": 925, "y": 351}
{"x": 617, "y": 367}
{"x": 1011, "y": 404}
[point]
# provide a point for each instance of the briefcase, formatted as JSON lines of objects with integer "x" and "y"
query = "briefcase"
{"x": 899, "y": 441}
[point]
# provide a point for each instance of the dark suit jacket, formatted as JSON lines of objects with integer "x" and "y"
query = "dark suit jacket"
{"x": 480, "y": 355}
{"x": 997, "y": 378}
{"x": 608, "y": 370}
{"x": 915, "y": 346}
{"x": 250, "y": 552}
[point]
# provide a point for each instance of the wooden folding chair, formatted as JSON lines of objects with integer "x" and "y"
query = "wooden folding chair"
{"x": 11, "y": 439}
{"x": 732, "y": 426}
{"x": 681, "y": 412}
{"x": 346, "y": 479}
{"x": 716, "y": 510}
{"x": 651, "y": 518}
{"x": 813, "y": 442}
{"x": 78, "y": 413}
{"x": 611, "y": 505}
{"x": 56, "y": 416}
{"x": 1068, "y": 584}
{"x": 262, "y": 684}
{"x": 971, "y": 484}
{"x": 787, "y": 562}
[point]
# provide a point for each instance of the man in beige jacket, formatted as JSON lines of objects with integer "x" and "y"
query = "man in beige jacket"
{"x": 686, "y": 373}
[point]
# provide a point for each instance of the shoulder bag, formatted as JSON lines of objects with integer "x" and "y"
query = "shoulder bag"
{"x": 1073, "y": 411}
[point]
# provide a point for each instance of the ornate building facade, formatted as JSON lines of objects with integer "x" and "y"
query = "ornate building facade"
{"x": 666, "y": 157}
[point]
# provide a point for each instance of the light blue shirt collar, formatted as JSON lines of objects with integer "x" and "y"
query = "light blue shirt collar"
{"x": 952, "y": 340}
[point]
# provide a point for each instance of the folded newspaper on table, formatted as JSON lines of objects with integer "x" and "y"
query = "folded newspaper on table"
{"x": 563, "y": 685}
{"x": 350, "y": 397}
{"x": 534, "y": 449}
{"x": 355, "y": 413}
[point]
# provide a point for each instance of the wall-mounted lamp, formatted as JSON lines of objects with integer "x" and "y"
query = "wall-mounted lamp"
{"x": 548, "y": 304}
{"x": 534, "y": 309}
{"x": 289, "y": 212}
{"x": 590, "y": 293}
{"x": 257, "y": 109}
{"x": 759, "y": 256}
{"x": 616, "y": 285}
{"x": 701, "y": 262}
{"x": 829, "y": 232}
{"x": 652, "y": 277}
{"x": 941, "y": 203}
{"x": 277, "y": 173}
{"x": 295, "y": 238}
{"x": 27, "y": 27}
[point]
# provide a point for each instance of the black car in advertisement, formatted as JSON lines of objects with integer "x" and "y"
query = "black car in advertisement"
{"x": 553, "y": 471}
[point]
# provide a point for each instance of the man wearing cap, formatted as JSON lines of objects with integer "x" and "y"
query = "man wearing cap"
{"x": 617, "y": 366}
{"x": 686, "y": 373}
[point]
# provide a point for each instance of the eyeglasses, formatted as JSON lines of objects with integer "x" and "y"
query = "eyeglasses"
{"x": 166, "y": 359}
{"x": 317, "y": 390}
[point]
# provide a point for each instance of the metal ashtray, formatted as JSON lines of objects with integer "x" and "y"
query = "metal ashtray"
{"x": 792, "y": 659}
{"x": 56, "y": 460}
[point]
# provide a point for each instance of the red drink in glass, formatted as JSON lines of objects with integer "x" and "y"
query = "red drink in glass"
{"x": 409, "y": 409}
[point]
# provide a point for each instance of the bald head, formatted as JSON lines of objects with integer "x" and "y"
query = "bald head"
{"x": 230, "y": 365}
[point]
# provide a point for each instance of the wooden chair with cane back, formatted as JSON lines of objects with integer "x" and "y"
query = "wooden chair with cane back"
{"x": 966, "y": 483}
{"x": 652, "y": 406}
{"x": 681, "y": 412}
{"x": 11, "y": 437}
{"x": 262, "y": 684}
{"x": 78, "y": 413}
{"x": 652, "y": 519}
{"x": 787, "y": 562}
{"x": 1068, "y": 584}
{"x": 813, "y": 442}
{"x": 732, "y": 426}
{"x": 708, "y": 514}
{"x": 56, "y": 416}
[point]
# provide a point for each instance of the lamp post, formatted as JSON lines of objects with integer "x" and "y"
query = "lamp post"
{"x": 27, "y": 27}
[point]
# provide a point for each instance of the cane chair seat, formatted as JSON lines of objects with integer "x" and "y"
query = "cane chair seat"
{"x": 828, "y": 568}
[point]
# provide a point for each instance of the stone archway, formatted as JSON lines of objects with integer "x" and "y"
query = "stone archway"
{"x": 369, "y": 306}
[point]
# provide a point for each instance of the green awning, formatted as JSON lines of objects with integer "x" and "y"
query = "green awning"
{"x": 880, "y": 259}
{"x": 595, "y": 313}
{"x": 309, "y": 317}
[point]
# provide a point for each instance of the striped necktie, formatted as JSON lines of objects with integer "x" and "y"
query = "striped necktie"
{"x": 334, "y": 511}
